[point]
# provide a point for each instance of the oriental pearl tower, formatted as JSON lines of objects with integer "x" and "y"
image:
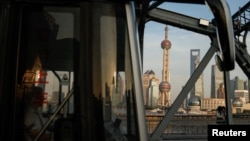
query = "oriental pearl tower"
{"x": 164, "y": 86}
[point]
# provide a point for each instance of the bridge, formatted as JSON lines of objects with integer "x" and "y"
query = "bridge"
{"x": 240, "y": 27}
{"x": 190, "y": 127}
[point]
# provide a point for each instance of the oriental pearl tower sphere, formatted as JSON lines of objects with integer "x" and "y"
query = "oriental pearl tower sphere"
{"x": 164, "y": 87}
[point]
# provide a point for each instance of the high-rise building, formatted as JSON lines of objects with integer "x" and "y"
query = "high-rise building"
{"x": 243, "y": 95}
{"x": 118, "y": 90}
{"x": 150, "y": 89}
{"x": 239, "y": 84}
{"x": 198, "y": 89}
{"x": 217, "y": 80}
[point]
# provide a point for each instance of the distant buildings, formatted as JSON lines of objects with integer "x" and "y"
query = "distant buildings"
{"x": 243, "y": 95}
{"x": 239, "y": 84}
{"x": 198, "y": 89}
{"x": 217, "y": 80}
{"x": 210, "y": 104}
{"x": 150, "y": 89}
{"x": 240, "y": 106}
{"x": 239, "y": 89}
{"x": 197, "y": 92}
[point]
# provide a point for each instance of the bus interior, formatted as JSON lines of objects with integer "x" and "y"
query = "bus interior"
{"x": 72, "y": 69}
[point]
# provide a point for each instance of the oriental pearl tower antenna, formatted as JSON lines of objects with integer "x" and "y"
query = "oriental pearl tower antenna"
{"x": 164, "y": 87}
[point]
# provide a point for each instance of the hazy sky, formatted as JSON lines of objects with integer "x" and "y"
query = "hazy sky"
{"x": 182, "y": 42}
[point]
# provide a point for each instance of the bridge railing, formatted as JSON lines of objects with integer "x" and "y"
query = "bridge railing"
{"x": 190, "y": 124}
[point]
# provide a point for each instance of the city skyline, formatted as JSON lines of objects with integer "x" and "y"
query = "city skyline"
{"x": 182, "y": 42}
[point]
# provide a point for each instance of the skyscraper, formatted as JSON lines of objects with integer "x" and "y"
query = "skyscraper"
{"x": 239, "y": 84}
{"x": 217, "y": 80}
{"x": 150, "y": 89}
{"x": 198, "y": 89}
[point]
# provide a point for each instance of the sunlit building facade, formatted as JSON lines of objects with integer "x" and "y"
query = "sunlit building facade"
{"x": 243, "y": 95}
{"x": 210, "y": 104}
{"x": 150, "y": 89}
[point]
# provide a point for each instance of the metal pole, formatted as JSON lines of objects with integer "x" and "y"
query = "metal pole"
{"x": 228, "y": 96}
{"x": 137, "y": 69}
{"x": 54, "y": 115}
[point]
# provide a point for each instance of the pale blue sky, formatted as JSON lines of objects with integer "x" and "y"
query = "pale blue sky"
{"x": 182, "y": 42}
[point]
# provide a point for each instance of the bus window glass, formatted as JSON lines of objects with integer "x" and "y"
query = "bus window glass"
{"x": 48, "y": 39}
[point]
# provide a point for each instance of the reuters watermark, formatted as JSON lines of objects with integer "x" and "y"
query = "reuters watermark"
{"x": 228, "y": 132}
